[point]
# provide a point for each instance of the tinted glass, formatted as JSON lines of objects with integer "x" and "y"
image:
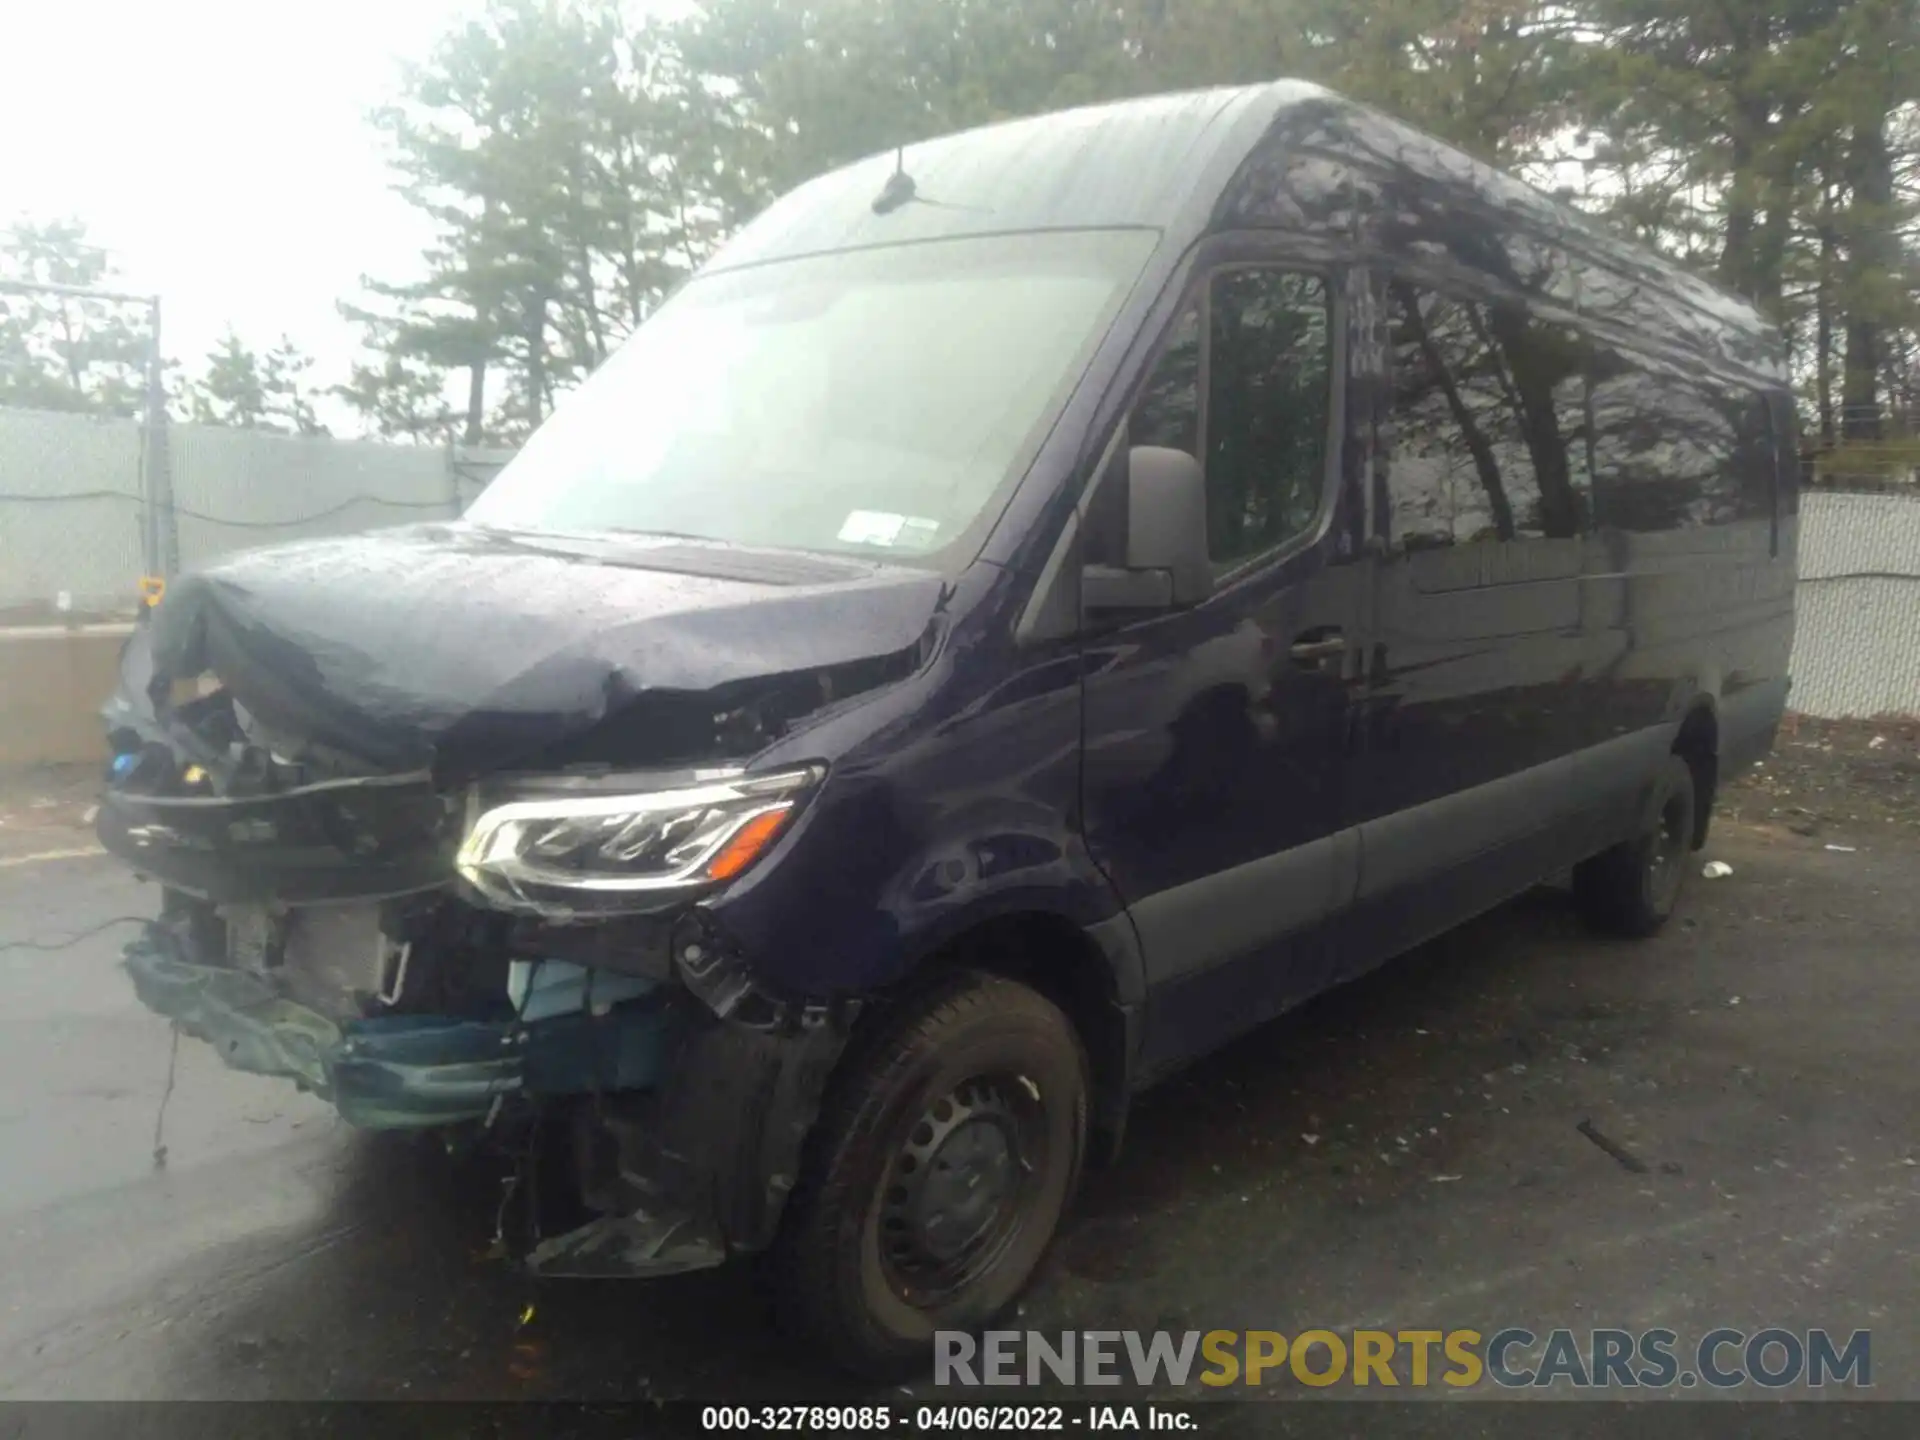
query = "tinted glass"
{"x": 871, "y": 401}
{"x": 1786, "y": 454}
{"x": 1668, "y": 450}
{"x": 1168, "y": 411}
{"x": 1269, "y": 378}
{"x": 1753, "y": 454}
{"x": 1489, "y": 436}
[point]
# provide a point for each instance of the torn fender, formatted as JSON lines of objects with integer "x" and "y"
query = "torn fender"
{"x": 701, "y": 1167}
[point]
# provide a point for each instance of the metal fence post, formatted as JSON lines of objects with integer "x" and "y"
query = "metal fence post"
{"x": 162, "y": 539}
{"x": 453, "y": 478}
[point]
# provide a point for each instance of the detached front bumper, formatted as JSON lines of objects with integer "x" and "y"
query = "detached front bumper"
{"x": 400, "y": 1072}
{"x": 687, "y": 1153}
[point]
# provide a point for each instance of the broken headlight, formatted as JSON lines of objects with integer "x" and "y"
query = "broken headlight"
{"x": 608, "y": 853}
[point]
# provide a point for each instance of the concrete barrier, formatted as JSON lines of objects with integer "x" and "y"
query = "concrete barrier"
{"x": 53, "y": 681}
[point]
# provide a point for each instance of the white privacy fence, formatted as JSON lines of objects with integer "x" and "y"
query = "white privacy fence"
{"x": 1856, "y": 645}
{"x": 72, "y": 505}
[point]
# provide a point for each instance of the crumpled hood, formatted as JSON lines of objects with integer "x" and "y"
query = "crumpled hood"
{"x": 465, "y": 649}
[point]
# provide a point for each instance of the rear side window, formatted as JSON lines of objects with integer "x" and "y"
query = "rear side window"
{"x": 1667, "y": 449}
{"x": 1490, "y": 435}
{"x": 1786, "y": 450}
{"x": 1507, "y": 427}
{"x": 1749, "y": 490}
{"x": 1675, "y": 447}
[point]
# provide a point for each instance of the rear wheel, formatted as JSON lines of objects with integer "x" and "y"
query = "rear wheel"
{"x": 1632, "y": 888}
{"x": 936, "y": 1175}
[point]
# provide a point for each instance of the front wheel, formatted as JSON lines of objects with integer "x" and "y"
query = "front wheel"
{"x": 1632, "y": 888}
{"x": 937, "y": 1173}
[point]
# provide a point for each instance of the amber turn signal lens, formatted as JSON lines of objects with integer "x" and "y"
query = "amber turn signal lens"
{"x": 747, "y": 843}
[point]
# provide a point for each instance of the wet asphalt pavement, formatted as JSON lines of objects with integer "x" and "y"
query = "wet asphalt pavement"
{"x": 1404, "y": 1153}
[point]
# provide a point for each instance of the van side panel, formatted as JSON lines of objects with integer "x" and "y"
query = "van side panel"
{"x": 1474, "y": 724}
{"x": 1689, "y": 588}
{"x": 1509, "y": 686}
{"x": 1216, "y": 748}
{"x": 1580, "y": 518}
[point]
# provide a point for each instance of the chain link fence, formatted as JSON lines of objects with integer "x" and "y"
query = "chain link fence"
{"x": 71, "y": 513}
{"x": 1856, "y": 644}
{"x": 72, "y": 506}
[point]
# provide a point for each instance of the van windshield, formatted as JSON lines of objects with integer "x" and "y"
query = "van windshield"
{"x": 869, "y": 402}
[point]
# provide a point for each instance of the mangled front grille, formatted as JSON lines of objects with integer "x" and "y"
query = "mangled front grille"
{"x": 424, "y": 954}
{"x": 340, "y": 960}
{"x": 335, "y": 840}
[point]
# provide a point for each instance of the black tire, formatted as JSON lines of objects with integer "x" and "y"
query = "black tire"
{"x": 983, "y": 1074}
{"x": 1632, "y": 888}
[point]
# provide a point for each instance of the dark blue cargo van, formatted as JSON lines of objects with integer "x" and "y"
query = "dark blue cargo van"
{"x": 1036, "y": 606}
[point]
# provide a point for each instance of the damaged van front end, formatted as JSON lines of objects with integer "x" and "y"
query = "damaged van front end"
{"x": 394, "y": 873}
{"x": 598, "y": 819}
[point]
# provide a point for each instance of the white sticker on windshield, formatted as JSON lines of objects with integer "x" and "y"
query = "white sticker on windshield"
{"x": 871, "y": 527}
{"x": 877, "y": 527}
{"x": 918, "y": 533}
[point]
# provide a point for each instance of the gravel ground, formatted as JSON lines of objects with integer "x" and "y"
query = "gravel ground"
{"x": 1834, "y": 778}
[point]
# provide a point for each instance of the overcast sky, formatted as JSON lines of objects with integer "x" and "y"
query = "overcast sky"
{"x": 219, "y": 148}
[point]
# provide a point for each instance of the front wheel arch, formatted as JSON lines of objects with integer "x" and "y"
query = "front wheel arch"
{"x": 1050, "y": 953}
{"x": 1698, "y": 743}
{"x": 962, "y": 1029}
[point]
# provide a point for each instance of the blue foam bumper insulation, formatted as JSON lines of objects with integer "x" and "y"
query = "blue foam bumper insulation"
{"x": 400, "y": 1072}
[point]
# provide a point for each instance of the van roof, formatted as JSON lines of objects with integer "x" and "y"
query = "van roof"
{"x": 1256, "y": 156}
{"x": 1129, "y": 163}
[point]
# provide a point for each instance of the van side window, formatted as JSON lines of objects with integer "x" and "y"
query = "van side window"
{"x": 1269, "y": 382}
{"x": 1168, "y": 411}
{"x": 1666, "y": 450}
{"x": 1490, "y": 433}
{"x": 1754, "y": 462}
{"x": 1786, "y": 454}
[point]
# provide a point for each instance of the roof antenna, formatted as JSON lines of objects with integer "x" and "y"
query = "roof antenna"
{"x": 899, "y": 189}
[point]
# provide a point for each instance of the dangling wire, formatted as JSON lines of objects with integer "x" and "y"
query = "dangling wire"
{"x": 160, "y": 1118}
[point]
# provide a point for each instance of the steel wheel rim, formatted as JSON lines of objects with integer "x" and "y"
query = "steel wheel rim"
{"x": 1668, "y": 851}
{"x": 959, "y": 1187}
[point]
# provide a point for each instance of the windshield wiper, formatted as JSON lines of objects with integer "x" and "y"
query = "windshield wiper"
{"x": 664, "y": 534}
